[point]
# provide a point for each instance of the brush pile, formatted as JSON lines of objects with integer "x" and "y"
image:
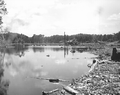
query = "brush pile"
{"x": 103, "y": 79}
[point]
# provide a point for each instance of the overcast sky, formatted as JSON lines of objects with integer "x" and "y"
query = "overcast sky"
{"x": 51, "y": 17}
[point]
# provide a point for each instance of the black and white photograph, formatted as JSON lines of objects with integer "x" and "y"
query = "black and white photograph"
{"x": 59, "y": 47}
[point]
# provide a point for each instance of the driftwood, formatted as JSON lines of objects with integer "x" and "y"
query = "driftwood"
{"x": 67, "y": 89}
{"x": 94, "y": 65}
{"x": 50, "y": 92}
{"x": 103, "y": 78}
{"x": 70, "y": 90}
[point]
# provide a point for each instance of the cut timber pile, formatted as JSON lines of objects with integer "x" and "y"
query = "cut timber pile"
{"x": 103, "y": 79}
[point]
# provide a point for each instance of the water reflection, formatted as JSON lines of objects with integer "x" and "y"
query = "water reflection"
{"x": 38, "y": 49}
{"x": 23, "y": 67}
{"x": 65, "y": 51}
{"x": 60, "y": 49}
{"x": 45, "y": 62}
{"x": 4, "y": 84}
{"x": 16, "y": 51}
{"x": 81, "y": 50}
{"x": 55, "y": 49}
{"x": 42, "y": 48}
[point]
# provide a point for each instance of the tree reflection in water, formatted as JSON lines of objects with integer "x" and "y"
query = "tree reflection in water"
{"x": 38, "y": 49}
{"x": 4, "y": 84}
{"x": 16, "y": 51}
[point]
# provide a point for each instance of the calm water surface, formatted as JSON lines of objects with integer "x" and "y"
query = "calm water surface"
{"x": 46, "y": 62}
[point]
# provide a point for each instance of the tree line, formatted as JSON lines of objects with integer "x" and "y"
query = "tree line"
{"x": 81, "y": 38}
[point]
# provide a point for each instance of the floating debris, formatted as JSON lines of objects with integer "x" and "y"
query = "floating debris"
{"x": 73, "y": 51}
{"x": 70, "y": 90}
{"x": 50, "y": 92}
{"x": 103, "y": 79}
{"x": 48, "y": 55}
{"x": 52, "y": 80}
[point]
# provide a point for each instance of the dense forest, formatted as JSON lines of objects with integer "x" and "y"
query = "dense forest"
{"x": 81, "y": 38}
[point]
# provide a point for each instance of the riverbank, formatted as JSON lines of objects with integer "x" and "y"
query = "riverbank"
{"x": 102, "y": 79}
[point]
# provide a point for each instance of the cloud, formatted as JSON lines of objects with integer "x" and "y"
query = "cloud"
{"x": 20, "y": 22}
{"x": 75, "y": 71}
{"x": 50, "y": 17}
{"x": 24, "y": 67}
{"x": 14, "y": 23}
{"x": 60, "y": 61}
{"x": 100, "y": 10}
{"x": 13, "y": 72}
{"x": 114, "y": 17}
{"x": 44, "y": 73}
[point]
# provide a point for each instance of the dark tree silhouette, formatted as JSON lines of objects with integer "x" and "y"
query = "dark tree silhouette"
{"x": 4, "y": 84}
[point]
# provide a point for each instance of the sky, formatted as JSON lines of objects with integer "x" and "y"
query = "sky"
{"x": 54, "y": 17}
